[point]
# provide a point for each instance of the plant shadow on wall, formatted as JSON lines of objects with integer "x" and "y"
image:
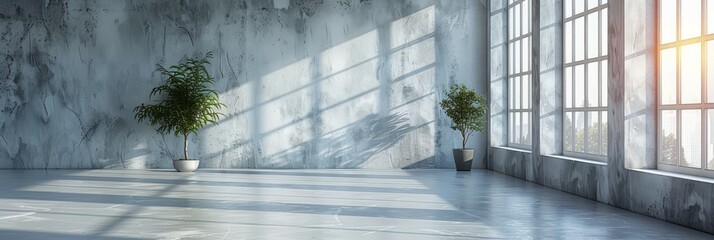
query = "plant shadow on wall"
{"x": 358, "y": 143}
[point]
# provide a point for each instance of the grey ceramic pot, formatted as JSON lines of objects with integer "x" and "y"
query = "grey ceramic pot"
{"x": 463, "y": 158}
{"x": 188, "y": 165}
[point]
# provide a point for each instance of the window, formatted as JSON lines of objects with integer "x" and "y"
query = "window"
{"x": 519, "y": 73}
{"x": 686, "y": 87}
{"x": 585, "y": 78}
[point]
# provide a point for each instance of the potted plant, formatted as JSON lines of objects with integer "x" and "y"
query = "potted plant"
{"x": 467, "y": 110}
{"x": 186, "y": 105}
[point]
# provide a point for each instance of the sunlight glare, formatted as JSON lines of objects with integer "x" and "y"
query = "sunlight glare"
{"x": 691, "y": 73}
{"x": 691, "y": 22}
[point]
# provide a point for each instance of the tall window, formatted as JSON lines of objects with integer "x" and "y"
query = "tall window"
{"x": 519, "y": 73}
{"x": 585, "y": 78}
{"x": 686, "y": 86}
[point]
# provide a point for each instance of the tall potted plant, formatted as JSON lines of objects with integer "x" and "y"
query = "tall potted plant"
{"x": 186, "y": 104}
{"x": 467, "y": 110}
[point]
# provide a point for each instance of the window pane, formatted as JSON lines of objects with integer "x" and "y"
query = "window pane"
{"x": 526, "y": 17}
{"x": 603, "y": 32}
{"x": 603, "y": 82}
{"x": 568, "y": 87}
{"x": 579, "y": 6}
{"x": 511, "y": 93}
{"x": 603, "y": 133}
{"x": 579, "y": 38}
{"x": 525, "y": 133}
{"x": 668, "y": 140}
{"x": 592, "y": 131}
{"x": 529, "y": 84}
{"x": 710, "y": 70}
{"x": 511, "y": 127}
{"x": 592, "y": 4}
{"x": 668, "y": 21}
{"x": 593, "y": 84}
{"x": 517, "y": 93}
{"x": 668, "y": 76}
{"x": 579, "y": 83}
{"x": 579, "y": 132}
{"x": 517, "y": 20}
{"x": 691, "y": 141}
{"x": 710, "y": 16}
{"x": 690, "y": 13}
{"x": 691, "y": 73}
{"x": 517, "y": 135}
{"x": 517, "y": 57}
{"x": 512, "y": 130}
{"x": 526, "y": 92}
{"x": 525, "y": 54}
{"x": 568, "y": 131}
{"x": 593, "y": 37}
{"x": 568, "y": 8}
{"x": 568, "y": 41}
{"x": 710, "y": 139}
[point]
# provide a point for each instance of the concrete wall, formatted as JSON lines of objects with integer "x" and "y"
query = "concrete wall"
{"x": 308, "y": 84}
{"x": 628, "y": 179}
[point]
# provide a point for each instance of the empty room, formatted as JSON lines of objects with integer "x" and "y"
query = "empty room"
{"x": 356, "y": 119}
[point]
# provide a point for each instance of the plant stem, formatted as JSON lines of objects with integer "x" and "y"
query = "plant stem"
{"x": 185, "y": 146}
{"x": 463, "y": 139}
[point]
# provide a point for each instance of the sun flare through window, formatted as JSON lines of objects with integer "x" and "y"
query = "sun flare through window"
{"x": 686, "y": 87}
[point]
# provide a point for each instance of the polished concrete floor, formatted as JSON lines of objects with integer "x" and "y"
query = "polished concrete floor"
{"x": 306, "y": 204}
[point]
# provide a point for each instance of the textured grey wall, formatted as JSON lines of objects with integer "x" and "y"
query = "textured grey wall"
{"x": 309, "y": 84}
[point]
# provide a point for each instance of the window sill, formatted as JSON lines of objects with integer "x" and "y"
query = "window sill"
{"x": 513, "y": 149}
{"x": 593, "y": 162}
{"x": 676, "y": 175}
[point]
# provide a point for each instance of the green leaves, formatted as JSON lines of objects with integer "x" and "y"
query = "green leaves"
{"x": 467, "y": 110}
{"x": 187, "y": 103}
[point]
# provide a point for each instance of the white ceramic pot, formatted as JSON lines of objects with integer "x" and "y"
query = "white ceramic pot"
{"x": 188, "y": 165}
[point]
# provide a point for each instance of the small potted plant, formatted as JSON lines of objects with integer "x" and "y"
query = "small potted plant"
{"x": 186, "y": 104}
{"x": 467, "y": 110}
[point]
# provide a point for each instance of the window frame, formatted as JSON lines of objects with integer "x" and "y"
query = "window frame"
{"x": 600, "y": 60}
{"x": 703, "y": 106}
{"x": 512, "y": 74}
